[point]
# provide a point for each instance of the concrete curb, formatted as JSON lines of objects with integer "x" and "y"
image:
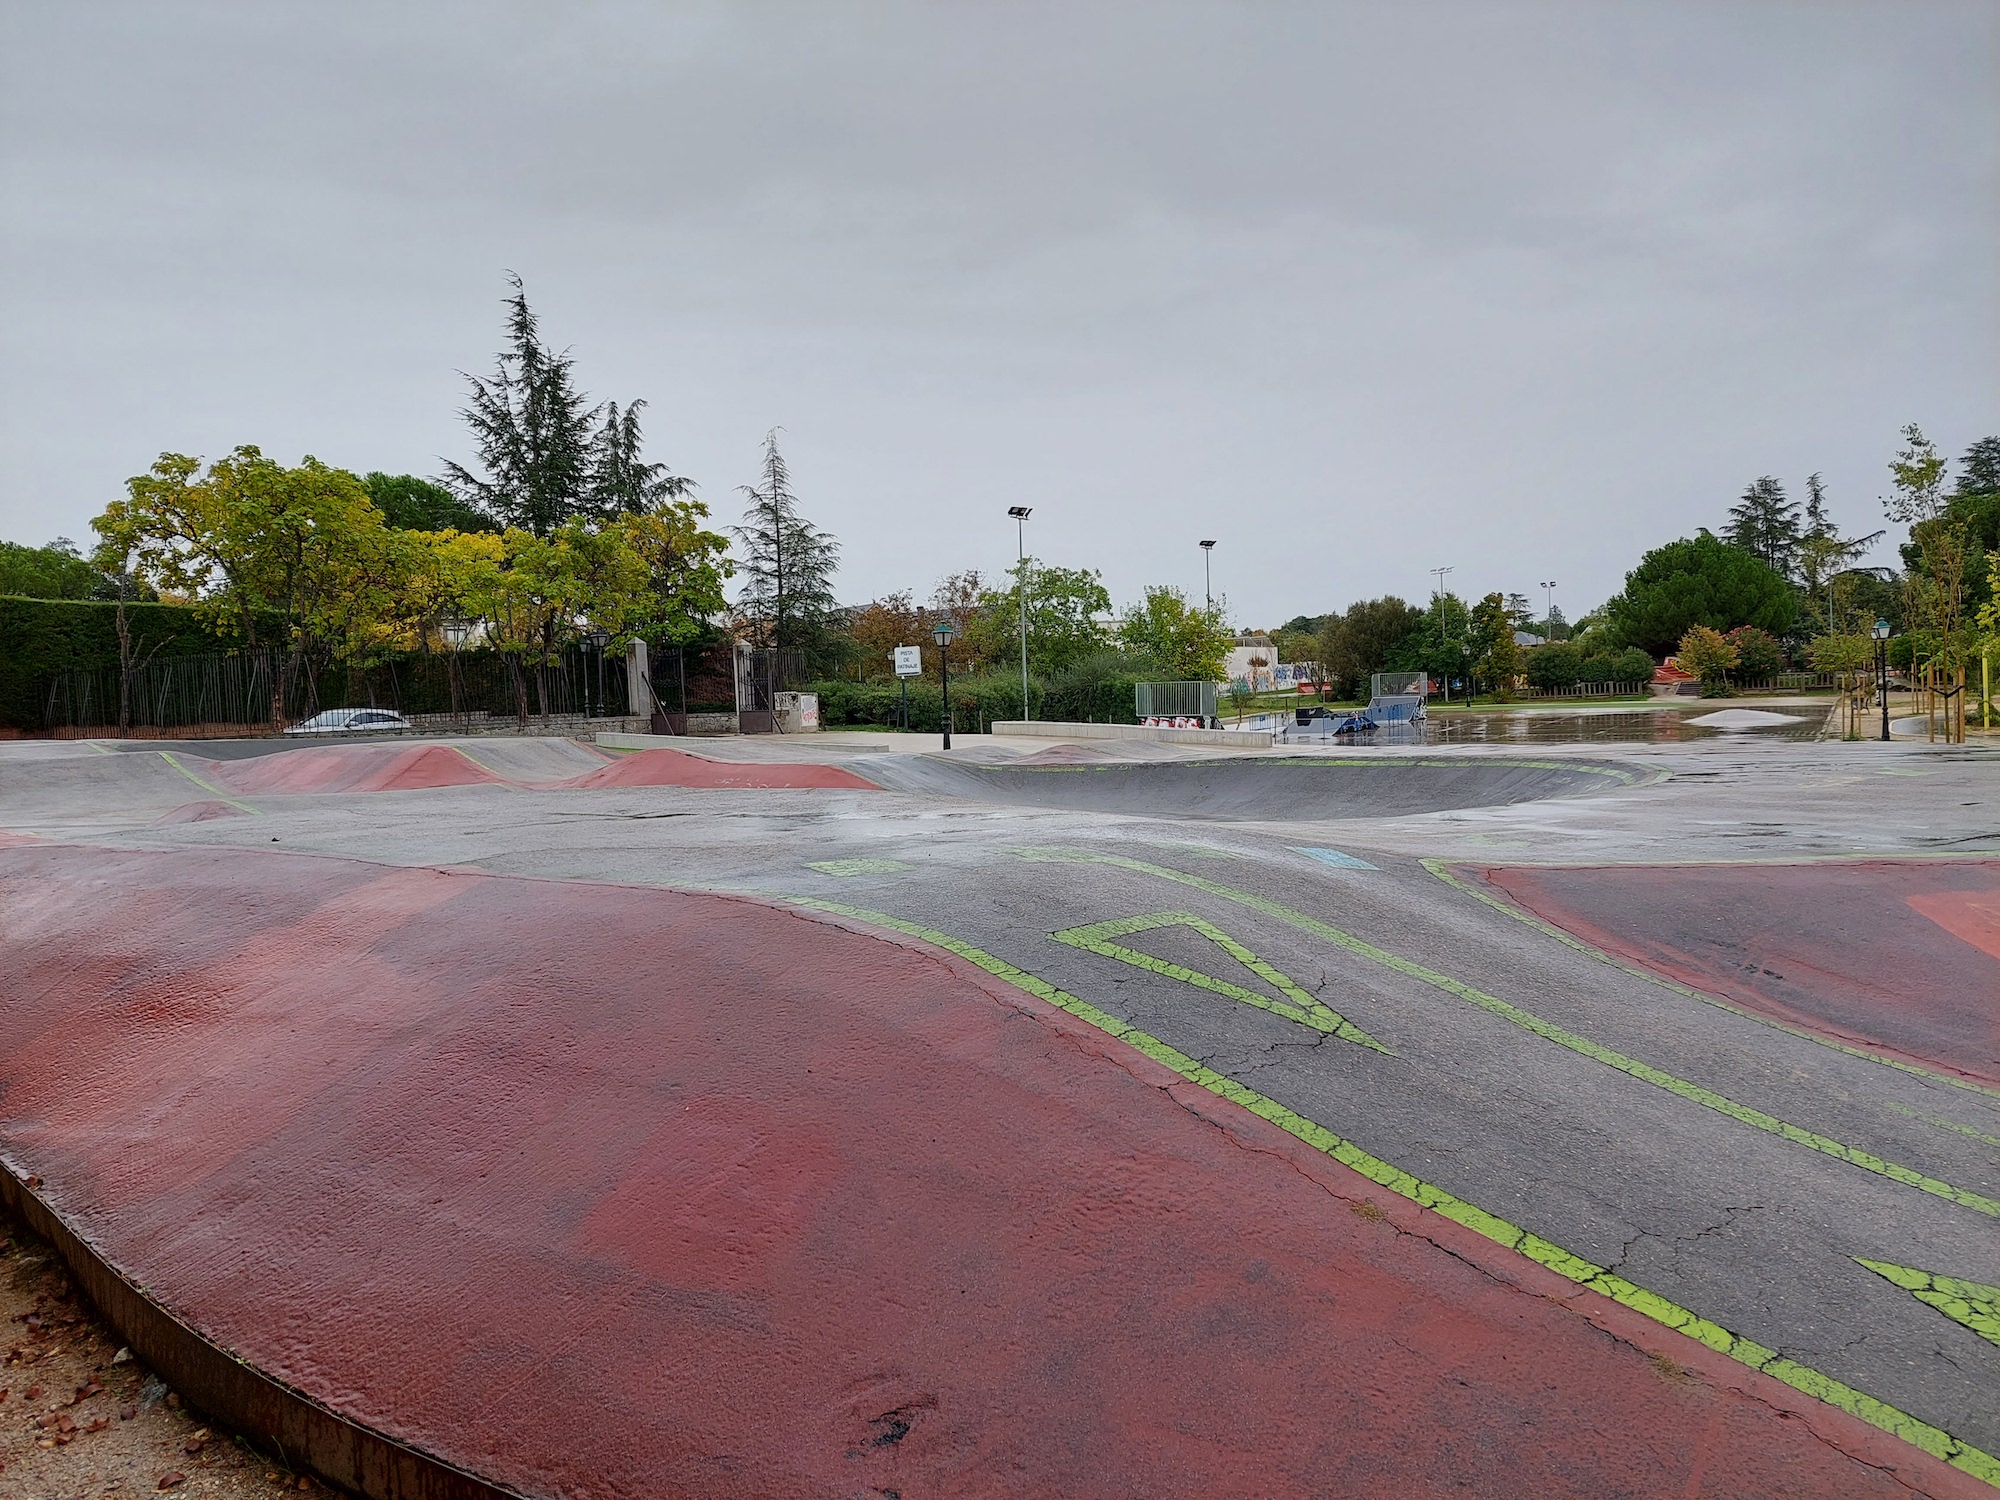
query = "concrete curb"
{"x": 305, "y": 1434}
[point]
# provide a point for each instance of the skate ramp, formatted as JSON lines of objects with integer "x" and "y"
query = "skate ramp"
{"x": 1896, "y": 956}
{"x": 746, "y": 1203}
{"x": 1269, "y": 789}
{"x": 350, "y": 768}
{"x": 677, "y": 768}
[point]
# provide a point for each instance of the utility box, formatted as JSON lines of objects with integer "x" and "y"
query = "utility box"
{"x": 798, "y": 713}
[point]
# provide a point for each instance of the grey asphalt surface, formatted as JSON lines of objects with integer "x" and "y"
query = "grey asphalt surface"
{"x": 1735, "y": 1222}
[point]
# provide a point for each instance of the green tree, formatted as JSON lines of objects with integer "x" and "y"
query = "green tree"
{"x": 1918, "y": 475}
{"x": 408, "y": 503}
{"x": 1765, "y": 524}
{"x": 1974, "y": 507}
{"x": 788, "y": 563}
{"x": 1554, "y": 667}
{"x": 1185, "y": 642}
{"x": 1758, "y": 653}
{"x": 252, "y": 539}
{"x": 1701, "y": 580}
{"x": 621, "y": 480}
{"x": 1708, "y": 654}
{"x": 1824, "y": 555}
{"x": 51, "y": 572}
{"x": 1496, "y": 659}
{"x": 1359, "y": 642}
{"x": 534, "y": 430}
{"x": 1628, "y": 668}
{"x": 1063, "y": 609}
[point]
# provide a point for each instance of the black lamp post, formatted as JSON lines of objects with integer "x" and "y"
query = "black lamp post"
{"x": 456, "y": 632}
{"x": 597, "y": 640}
{"x": 1881, "y": 633}
{"x": 944, "y": 633}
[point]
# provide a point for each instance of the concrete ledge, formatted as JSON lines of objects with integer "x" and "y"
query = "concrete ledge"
{"x": 1245, "y": 739}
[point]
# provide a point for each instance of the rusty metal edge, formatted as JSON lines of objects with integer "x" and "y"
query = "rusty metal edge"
{"x": 304, "y": 1433}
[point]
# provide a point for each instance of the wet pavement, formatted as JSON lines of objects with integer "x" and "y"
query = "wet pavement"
{"x": 1487, "y": 1150}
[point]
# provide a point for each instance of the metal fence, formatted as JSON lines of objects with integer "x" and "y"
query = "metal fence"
{"x": 1174, "y": 700}
{"x": 257, "y": 691}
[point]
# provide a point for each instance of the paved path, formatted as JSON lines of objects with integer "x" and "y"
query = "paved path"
{"x": 952, "y": 1156}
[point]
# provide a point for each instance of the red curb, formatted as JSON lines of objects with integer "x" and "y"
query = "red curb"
{"x": 599, "y": 1190}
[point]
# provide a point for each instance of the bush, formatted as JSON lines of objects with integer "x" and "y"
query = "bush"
{"x": 1555, "y": 667}
{"x": 1758, "y": 653}
{"x": 1087, "y": 694}
{"x": 1628, "y": 668}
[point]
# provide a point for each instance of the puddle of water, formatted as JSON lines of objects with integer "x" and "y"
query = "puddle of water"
{"x": 1623, "y": 726}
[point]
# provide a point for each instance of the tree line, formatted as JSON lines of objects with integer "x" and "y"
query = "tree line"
{"x": 1778, "y": 587}
{"x": 559, "y": 523}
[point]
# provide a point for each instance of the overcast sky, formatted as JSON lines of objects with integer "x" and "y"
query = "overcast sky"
{"x": 1358, "y": 290}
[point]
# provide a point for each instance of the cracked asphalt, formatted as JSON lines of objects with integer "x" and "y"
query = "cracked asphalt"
{"x": 1756, "y": 1224}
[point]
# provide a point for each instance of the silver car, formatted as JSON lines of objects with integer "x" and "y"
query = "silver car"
{"x": 351, "y": 721}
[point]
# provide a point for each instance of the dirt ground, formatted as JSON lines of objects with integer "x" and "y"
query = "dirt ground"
{"x": 81, "y": 1418}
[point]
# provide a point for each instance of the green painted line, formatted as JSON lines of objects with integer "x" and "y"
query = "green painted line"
{"x": 1443, "y": 871}
{"x": 169, "y": 758}
{"x": 1932, "y": 1440}
{"x": 857, "y": 866}
{"x": 1942, "y": 1123}
{"x": 1972, "y": 1303}
{"x": 1582, "y": 1046}
{"x": 1304, "y": 1008}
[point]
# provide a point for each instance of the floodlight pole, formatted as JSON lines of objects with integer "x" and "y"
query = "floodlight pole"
{"x": 1549, "y": 609}
{"x": 1440, "y": 572}
{"x": 1020, "y": 513}
{"x": 1207, "y": 585}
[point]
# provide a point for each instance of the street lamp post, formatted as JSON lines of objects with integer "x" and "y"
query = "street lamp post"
{"x": 597, "y": 640}
{"x": 1881, "y": 634}
{"x": 1207, "y": 586}
{"x": 1020, "y": 513}
{"x": 456, "y": 632}
{"x": 1438, "y": 594}
{"x": 944, "y": 633}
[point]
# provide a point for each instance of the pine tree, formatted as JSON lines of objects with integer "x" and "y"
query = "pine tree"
{"x": 788, "y": 562}
{"x": 534, "y": 432}
{"x": 1765, "y": 522}
{"x": 621, "y": 480}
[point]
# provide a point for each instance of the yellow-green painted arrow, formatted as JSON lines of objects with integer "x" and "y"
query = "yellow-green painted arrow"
{"x": 1302, "y": 1007}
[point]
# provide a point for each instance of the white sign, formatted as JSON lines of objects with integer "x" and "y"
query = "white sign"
{"x": 909, "y": 661}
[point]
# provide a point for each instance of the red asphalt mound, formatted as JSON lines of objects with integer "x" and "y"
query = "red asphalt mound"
{"x": 349, "y": 768}
{"x": 609, "y": 1191}
{"x": 677, "y": 768}
{"x": 1899, "y": 955}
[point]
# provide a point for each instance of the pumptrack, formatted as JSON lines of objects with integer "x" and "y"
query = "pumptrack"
{"x": 538, "y": 1122}
{"x": 766, "y": 1207}
{"x": 1261, "y": 788}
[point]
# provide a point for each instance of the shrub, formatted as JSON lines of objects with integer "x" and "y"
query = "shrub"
{"x": 1708, "y": 654}
{"x": 1555, "y": 667}
{"x": 1758, "y": 653}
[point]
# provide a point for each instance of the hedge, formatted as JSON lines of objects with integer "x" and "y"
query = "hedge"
{"x": 976, "y": 702}
{"x": 40, "y": 637}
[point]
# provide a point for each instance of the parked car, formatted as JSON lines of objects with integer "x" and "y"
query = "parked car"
{"x": 351, "y": 721}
